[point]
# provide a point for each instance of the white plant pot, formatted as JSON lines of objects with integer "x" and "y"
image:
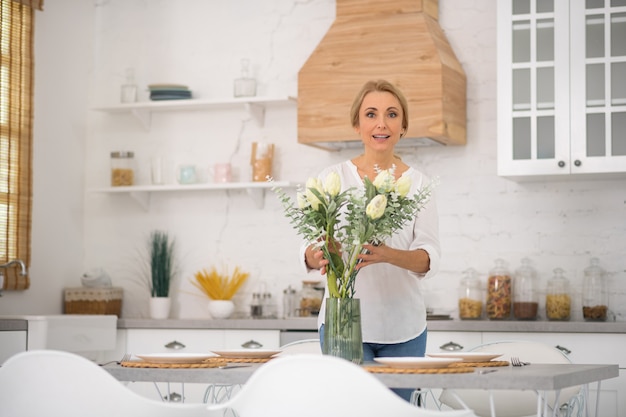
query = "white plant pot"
{"x": 160, "y": 307}
{"x": 221, "y": 309}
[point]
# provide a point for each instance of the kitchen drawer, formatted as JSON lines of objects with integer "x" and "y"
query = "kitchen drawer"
{"x": 179, "y": 340}
{"x": 11, "y": 343}
{"x": 460, "y": 340}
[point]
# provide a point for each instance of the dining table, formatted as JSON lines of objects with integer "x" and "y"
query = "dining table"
{"x": 541, "y": 378}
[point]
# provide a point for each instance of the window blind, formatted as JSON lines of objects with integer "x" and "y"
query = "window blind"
{"x": 16, "y": 117}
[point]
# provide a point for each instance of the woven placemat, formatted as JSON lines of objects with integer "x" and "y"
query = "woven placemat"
{"x": 388, "y": 370}
{"x": 145, "y": 364}
{"x": 478, "y": 364}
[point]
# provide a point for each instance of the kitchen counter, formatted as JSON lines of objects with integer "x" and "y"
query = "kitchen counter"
{"x": 310, "y": 324}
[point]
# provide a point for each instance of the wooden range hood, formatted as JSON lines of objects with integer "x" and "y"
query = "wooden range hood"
{"x": 398, "y": 40}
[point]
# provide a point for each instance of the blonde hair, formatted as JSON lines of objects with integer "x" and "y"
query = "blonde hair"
{"x": 382, "y": 86}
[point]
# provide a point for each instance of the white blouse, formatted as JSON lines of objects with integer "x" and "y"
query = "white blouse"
{"x": 393, "y": 309}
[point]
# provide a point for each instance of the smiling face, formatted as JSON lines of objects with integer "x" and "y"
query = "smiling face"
{"x": 380, "y": 122}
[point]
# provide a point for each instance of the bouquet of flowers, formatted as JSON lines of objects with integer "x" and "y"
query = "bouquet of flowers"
{"x": 340, "y": 223}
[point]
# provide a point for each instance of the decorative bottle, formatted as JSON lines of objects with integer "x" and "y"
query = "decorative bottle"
{"x": 245, "y": 86}
{"x": 129, "y": 88}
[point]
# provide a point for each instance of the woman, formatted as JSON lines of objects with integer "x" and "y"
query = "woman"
{"x": 393, "y": 311}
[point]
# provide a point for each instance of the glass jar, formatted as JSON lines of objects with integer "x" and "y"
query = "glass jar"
{"x": 525, "y": 303}
{"x": 289, "y": 302}
{"x": 310, "y": 298}
{"x": 245, "y": 86}
{"x": 499, "y": 292}
{"x": 470, "y": 296}
{"x": 595, "y": 296}
{"x": 122, "y": 168}
{"x": 558, "y": 300}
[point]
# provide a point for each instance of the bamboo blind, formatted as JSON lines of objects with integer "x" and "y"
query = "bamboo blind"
{"x": 16, "y": 116}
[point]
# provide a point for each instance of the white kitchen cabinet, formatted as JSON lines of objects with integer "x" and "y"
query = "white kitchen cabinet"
{"x": 140, "y": 341}
{"x": 561, "y": 87}
{"x": 581, "y": 348}
{"x": 11, "y": 343}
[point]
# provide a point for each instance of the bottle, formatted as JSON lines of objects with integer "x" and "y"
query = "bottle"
{"x": 256, "y": 307}
{"x": 122, "y": 168}
{"x": 558, "y": 300}
{"x": 129, "y": 88}
{"x": 245, "y": 86}
{"x": 525, "y": 303}
{"x": 499, "y": 292}
{"x": 594, "y": 297}
{"x": 470, "y": 296}
{"x": 269, "y": 308}
{"x": 310, "y": 299}
{"x": 289, "y": 302}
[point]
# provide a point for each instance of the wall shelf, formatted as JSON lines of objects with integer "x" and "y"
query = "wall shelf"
{"x": 142, "y": 193}
{"x": 143, "y": 110}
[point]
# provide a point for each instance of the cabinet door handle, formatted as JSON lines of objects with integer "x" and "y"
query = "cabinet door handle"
{"x": 561, "y": 164}
{"x": 451, "y": 346}
{"x": 252, "y": 344}
{"x": 577, "y": 163}
{"x": 175, "y": 345}
{"x": 563, "y": 349}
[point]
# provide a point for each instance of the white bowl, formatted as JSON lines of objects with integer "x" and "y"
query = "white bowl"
{"x": 221, "y": 309}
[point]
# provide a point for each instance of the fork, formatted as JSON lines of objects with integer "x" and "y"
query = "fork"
{"x": 125, "y": 358}
{"x": 515, "y": 361}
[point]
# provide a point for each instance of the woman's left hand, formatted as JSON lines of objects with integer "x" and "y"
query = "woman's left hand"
{"x": 374, "y": 255}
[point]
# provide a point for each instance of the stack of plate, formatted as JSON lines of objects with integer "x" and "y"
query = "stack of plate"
{"x": 169, "y": 92}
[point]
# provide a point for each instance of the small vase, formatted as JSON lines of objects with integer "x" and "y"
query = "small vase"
{"x": 221, "y": 309}
{"x": 160, "y": 307}
{"x": 342, "y": 329}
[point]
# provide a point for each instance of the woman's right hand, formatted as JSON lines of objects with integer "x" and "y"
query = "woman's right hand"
{"x": 314, "y": 258}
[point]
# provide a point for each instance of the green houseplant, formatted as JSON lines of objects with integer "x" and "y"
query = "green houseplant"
{"x": 162, "y": 273}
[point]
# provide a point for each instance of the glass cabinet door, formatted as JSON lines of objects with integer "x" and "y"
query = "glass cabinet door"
{"x": 533, "y": 87}
{"x": 598, "y": 85}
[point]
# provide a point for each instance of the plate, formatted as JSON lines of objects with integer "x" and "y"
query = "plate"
{"x": 175, "y": 357}
{"x": 246, "y": 353}
{"x": 467, "y": 356}
{"x": 410, "y": 362}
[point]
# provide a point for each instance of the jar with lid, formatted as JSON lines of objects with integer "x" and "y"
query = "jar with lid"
{"x": 594, "y": 300}
{"x": 310, "y": 298}
{"x": 525, "y": 303}
{"x": 289, "y": 302}
{"x": 558, "y": 300}
{"x": 122, "y": 168}
{"x": 470, "y": 296}
{"x": 499, "y": 292}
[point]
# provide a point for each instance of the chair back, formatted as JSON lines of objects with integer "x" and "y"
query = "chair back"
{"x": 512, "y": 403}
{"x": 40, "y": 383}
{"x": 310, "y": 385}
{"x": 311, "y": 346}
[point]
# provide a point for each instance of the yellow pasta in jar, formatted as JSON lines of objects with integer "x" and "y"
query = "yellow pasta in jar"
{"x": 558, "y": 306}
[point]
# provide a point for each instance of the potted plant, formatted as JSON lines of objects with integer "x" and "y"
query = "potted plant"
{"x": 161, "y": 257}
{"x": 220, "y": 288}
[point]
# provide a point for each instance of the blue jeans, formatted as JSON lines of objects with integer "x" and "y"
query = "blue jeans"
{"x": 413, "y": 347}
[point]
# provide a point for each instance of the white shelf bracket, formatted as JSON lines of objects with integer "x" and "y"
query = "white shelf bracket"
{"x": 142, "y": 197}
{"x": 257, "y": 195}
{"x": 144, "y": 116}
{"x": 257, "y": 111}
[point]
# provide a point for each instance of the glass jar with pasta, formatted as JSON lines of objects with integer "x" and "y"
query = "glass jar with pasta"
{"x": 558, "y": 299}
{"x": 122, "y": 168}
{"x": 470, "y": 296}
{"x": 499, "y": 292}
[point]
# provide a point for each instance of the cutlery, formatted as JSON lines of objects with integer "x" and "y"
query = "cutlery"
{"x": 125, "y": 358}
{"x": 228, "y": 366}
{"x": 515, "y": 361}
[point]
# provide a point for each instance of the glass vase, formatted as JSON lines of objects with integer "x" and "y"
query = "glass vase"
{"x": 342, "y": 329}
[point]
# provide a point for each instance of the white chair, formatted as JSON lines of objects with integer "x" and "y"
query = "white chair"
{"x": 40, "y": 383}
{"x": 515, "y": 403}
{"x": 311, "y": 346}
{"x": 311, "y": 385}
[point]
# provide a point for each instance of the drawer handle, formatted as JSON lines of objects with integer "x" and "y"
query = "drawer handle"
{"x": 563, "y": 349}
{"x": 175, "y": 345}
{"x": 451, "y": 346}
{"x": 252, "y": 344}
